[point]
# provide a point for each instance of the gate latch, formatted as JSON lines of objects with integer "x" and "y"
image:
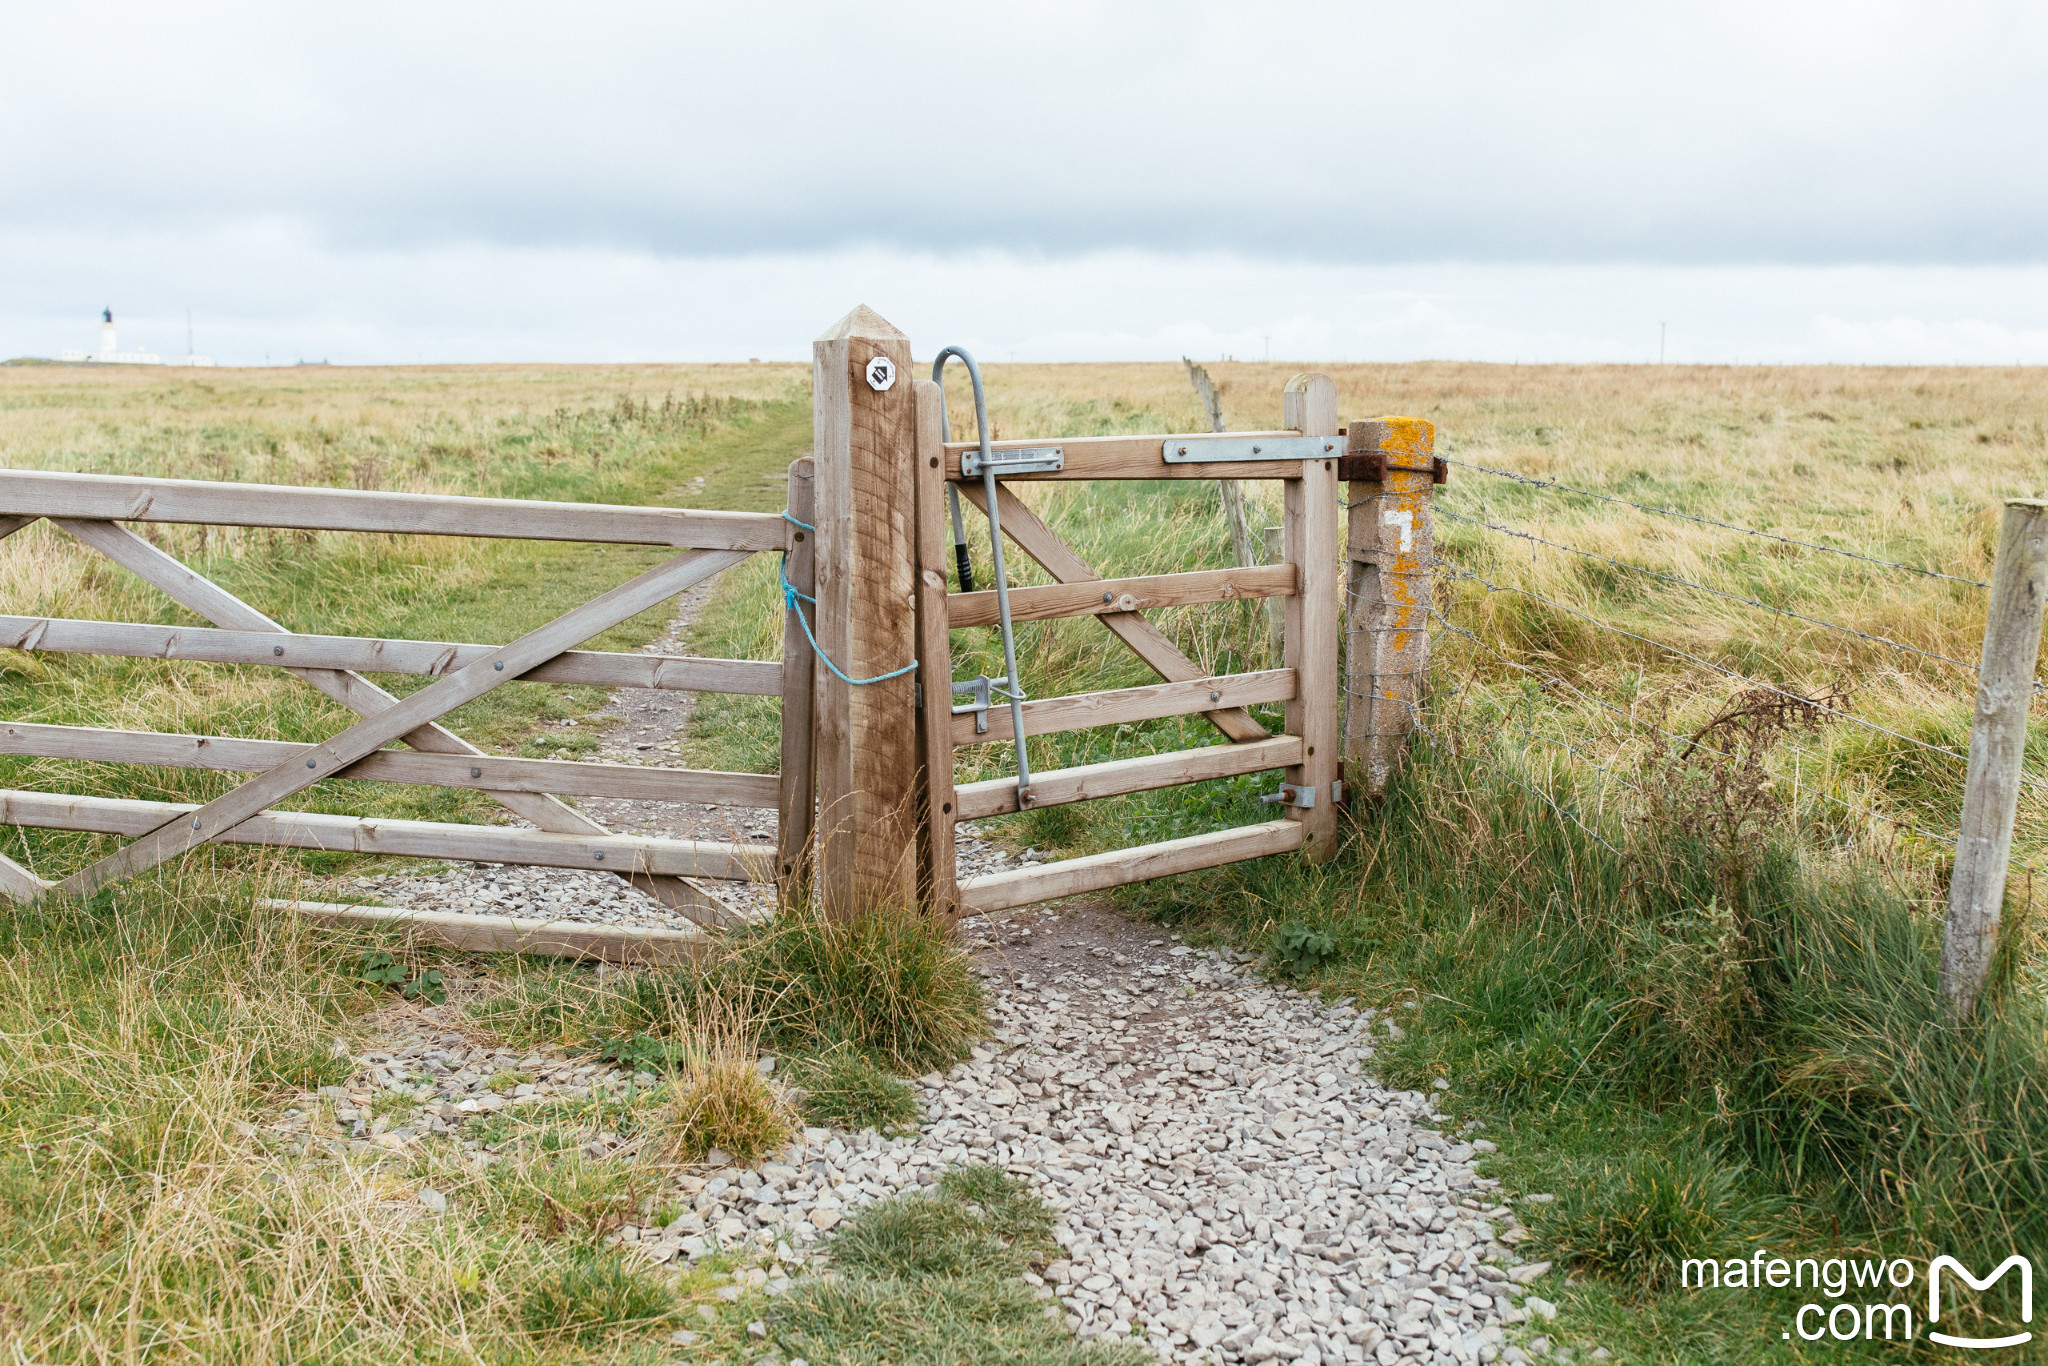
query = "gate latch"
{"x": 1292, "y": 794}
{"x": 980, "y": 687}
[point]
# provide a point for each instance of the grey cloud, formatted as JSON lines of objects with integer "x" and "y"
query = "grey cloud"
{"x": 1338, "y": 133}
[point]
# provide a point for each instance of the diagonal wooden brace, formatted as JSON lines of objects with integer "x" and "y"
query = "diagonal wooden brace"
{"x": 1147, "y": 641}
{"x": 18, "y": 883}
{"x": 198, "y": 594}
{"x": 321, "y": 761}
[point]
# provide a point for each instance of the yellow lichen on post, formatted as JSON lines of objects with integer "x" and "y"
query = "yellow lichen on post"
{"x": 1390, "y": 464}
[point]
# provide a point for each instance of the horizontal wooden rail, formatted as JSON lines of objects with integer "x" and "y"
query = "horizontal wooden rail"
{"x": 1099, "y": 597}
{"x": 1054, "y": 787}
{"x": 1043, "y": 716}
{"x": 123, "y": 498}
{"x": 1071, "y": 877}
{"x": 624, "y": 854}
{"x": 488, "y": 773}
{"x": 1135, "y": 457}
{"x": 510, "y": 934}
{"x": 205, "y": 644}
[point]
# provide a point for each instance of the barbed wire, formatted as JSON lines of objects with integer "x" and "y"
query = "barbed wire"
{"x": 1633, "y": 719}
{"x": 1704, "y": 588}
{"x": 1461, "y": 572}
{"x": 1537, "y": 793}
{"x": 1709, "y": 521}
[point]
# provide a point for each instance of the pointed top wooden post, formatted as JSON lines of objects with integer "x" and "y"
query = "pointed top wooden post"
{"x": 864, "y": 436}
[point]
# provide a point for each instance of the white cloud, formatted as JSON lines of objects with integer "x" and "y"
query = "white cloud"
{"x": 273, "y": 290}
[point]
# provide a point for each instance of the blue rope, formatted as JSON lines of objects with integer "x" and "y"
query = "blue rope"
{"x": 791, "y": 596}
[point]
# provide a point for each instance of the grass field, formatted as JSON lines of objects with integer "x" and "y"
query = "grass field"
{"x": 1717, "y": 1032}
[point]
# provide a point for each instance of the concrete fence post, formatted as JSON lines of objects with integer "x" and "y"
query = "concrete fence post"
{"x": 1391, "y": 469}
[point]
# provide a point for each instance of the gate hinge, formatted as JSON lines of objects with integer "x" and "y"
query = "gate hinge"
{"x": 1374, "y": 466}
{"x": 1292, "y": 794}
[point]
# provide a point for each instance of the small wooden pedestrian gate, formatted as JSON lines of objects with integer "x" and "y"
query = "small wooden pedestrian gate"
{"x": 866, "y": 797}
{"x": 885, "y": 750}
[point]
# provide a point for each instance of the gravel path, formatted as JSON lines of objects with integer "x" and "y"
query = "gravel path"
{"x": 1232, "y": 1183}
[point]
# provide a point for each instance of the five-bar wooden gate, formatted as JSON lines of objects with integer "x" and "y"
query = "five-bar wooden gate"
{"x": 93, "y": 507}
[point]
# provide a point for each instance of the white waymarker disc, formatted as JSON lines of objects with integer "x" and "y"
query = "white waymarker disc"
{"x": 881, "y": 373}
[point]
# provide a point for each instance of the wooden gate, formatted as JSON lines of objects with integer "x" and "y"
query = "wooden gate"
{"x": 93, "y": 507}
{"x": 1307, "y": 578}
{"x": 866, "y": 795}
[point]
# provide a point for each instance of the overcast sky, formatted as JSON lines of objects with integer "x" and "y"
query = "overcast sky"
{"x": 1786, "y": 181}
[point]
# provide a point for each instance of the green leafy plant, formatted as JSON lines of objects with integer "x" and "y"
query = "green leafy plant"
{"x": 643, "y": 1052}
{"x": 1298, "y": 949}
{"x": 379, "y": 968}
{"x": 428, "y": 986}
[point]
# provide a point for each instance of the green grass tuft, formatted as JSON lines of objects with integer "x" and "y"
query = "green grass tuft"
{"x": 932, "y": 1279}
{"x": 591, "y": 1296}
{"x": 843, "y": 1089}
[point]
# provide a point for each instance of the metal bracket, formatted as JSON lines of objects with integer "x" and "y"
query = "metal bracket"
{"x": 1374, "y": 466}
{"x": 1209, "y": 450}
{"x": 1292, "y": 794}
{"x": 982, "y": 687}
{"x": 1337, "y": 792}
{"x": 1015, "y": 460}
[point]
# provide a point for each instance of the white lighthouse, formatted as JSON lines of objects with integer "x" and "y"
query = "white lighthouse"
{"x": 110, "y": 352}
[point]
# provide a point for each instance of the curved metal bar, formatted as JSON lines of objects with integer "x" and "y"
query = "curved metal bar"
{"x": 1013, "y": 686}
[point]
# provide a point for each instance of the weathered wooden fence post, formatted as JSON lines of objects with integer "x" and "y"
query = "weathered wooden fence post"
{"x": 1309, "y": 533}
{"x": 1390, "y": 465}
{"x": 864, "y": 429}
{"x": 1998, "y": 737}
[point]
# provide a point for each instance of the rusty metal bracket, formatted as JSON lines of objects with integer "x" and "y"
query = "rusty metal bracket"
{"x": 1374, "y": 466}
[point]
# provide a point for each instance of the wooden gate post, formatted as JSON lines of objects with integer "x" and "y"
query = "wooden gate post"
{"x": 1390, "y": 465}
{"x": 864, "y": 437}
{"x": 938, "y": 877}
{"x": 798, "y": 792}
{"x": 1998, "y": 738}
{"x": 1309, "y": 534}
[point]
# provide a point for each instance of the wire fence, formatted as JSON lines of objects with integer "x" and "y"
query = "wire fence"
{"x": 1605, "y": 736}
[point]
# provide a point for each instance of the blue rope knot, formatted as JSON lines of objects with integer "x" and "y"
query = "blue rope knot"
{"x": 791, "y": 596}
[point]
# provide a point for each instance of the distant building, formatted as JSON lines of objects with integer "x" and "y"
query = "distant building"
{"x": 110, "y": 352}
